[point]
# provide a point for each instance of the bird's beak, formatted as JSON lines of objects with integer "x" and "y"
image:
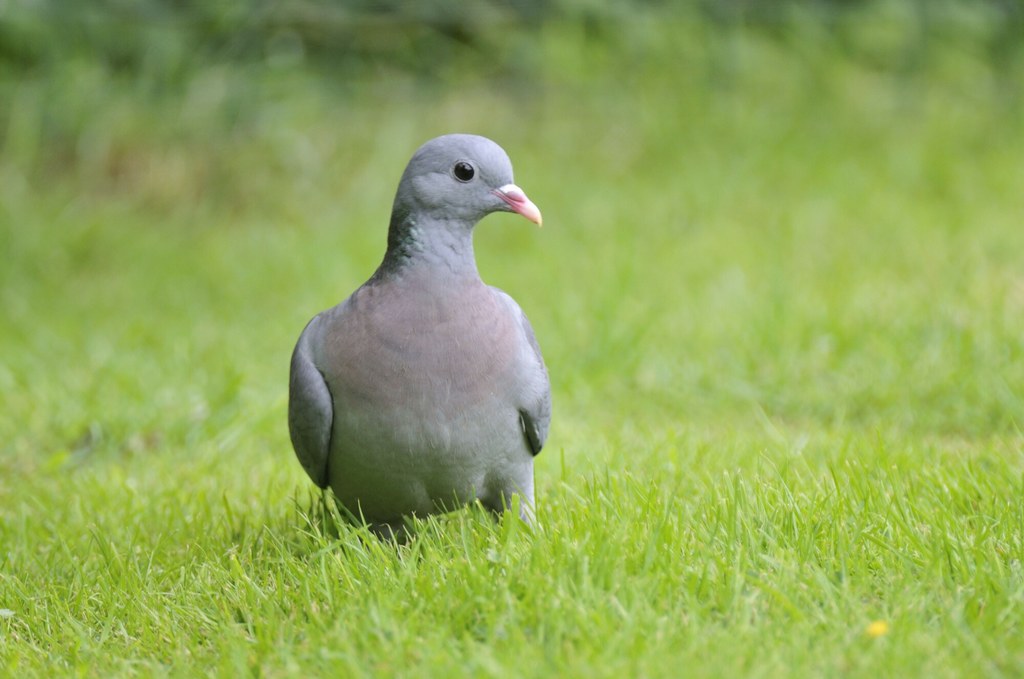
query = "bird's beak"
{"x": 518, "y": 202}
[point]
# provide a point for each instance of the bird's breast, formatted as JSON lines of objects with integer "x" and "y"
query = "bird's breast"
{"x": 423, "y": 353}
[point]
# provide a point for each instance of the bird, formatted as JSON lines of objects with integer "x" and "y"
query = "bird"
{"x": 425, "y": 390}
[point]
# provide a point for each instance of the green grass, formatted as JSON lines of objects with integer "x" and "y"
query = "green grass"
{"x": 782, "y": 305}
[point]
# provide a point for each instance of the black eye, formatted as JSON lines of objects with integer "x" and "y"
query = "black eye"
{"x": 463, "y": 171}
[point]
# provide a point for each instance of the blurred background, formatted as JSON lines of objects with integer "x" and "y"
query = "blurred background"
{"x": 800, "y": 213}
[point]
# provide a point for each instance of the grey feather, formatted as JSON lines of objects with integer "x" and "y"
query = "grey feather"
{"x": 426, "y": 388}
{"x": 537, "y": 415}
{"x": 310, "y": 411}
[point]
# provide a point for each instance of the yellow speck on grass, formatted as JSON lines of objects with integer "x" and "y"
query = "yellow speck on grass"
{"x": 877, "y": 629}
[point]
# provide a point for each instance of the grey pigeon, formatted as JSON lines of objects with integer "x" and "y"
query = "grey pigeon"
{"x": 425, "y": 389}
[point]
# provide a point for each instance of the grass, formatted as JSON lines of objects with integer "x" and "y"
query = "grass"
{"x": 781, "y": 303}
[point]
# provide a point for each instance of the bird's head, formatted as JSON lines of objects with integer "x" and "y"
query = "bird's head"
{"x": 461, "y": 177}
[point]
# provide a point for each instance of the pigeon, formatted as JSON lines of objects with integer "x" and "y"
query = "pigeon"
{"x": 425, "y": 390}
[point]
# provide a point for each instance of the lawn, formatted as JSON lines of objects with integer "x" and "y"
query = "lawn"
{"x": 780, "y": 292}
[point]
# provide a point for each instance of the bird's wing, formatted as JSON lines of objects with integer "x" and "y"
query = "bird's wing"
{"x": 537, "y": 416}
{"x": 310, "y": 409}
{"x": 535, "y": 395}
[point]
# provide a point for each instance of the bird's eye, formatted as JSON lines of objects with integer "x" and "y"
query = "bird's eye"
{"x": 463, "y": 171}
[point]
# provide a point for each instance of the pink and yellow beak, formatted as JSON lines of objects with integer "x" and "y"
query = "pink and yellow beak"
{"x": 517, "y": 200}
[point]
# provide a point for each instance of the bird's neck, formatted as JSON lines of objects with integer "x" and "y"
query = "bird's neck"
{"x": 426, "y": 245}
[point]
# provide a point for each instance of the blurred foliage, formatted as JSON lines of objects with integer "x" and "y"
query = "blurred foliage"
{"x": 165, "y": 38}
{"x": 192, "y": 95}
